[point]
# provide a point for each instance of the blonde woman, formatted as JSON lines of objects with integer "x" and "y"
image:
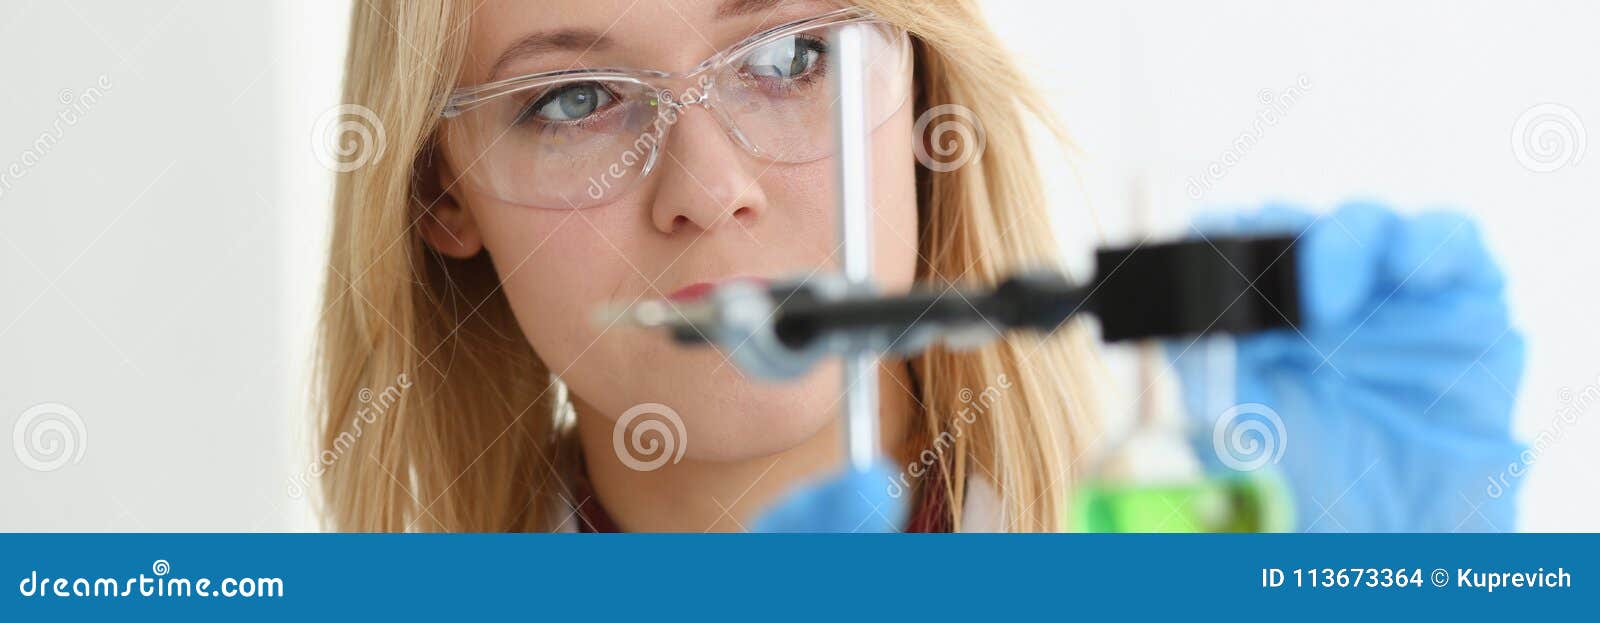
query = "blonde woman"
{"x": 553, "y": 157}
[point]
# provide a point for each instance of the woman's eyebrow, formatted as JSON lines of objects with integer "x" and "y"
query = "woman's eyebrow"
{"x": 735, "y": 8}
{"x": 579, "y": 39}
{"x": 585, "y": 40}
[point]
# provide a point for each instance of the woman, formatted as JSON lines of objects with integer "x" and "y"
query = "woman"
{"x": 519, "y": 198}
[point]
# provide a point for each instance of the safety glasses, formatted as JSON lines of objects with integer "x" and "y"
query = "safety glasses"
{"x": 581, "y": 138}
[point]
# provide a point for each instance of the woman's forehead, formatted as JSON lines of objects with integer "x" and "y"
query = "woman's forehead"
{"x": 511, "y": 37}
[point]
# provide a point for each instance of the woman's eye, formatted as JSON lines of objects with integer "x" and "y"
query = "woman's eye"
{"x": 787, "y": 58}
{"x": 569, "y": 103}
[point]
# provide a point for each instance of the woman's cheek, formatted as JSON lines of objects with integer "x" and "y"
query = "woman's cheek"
{"x": 896, "y": 231}
{"x": 805, "y": 203}
{"x": 555, "y": 270}
{"x": 803, "y": 198}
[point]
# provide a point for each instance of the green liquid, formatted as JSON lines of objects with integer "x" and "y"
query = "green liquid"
{"x": 1247, "y": 502}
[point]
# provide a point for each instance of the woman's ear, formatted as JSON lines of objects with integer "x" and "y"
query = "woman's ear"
{"x": 447, "y": 225}
{"x": 449, "y": 228}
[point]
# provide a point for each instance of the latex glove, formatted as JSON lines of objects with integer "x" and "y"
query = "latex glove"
{"x": 852, "y": 501}
{"x": 1395, "y": 396}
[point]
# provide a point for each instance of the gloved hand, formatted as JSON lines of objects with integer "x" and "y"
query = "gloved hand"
{"x": 851, "y": 501}
{"x": 1394, "y": 397}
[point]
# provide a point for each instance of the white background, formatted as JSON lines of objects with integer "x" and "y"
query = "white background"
{"x": 160, "y": 264}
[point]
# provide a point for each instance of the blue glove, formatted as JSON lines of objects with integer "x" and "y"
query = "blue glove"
{"x": 1393, "y": 400}
{"x": 852, "y": 501}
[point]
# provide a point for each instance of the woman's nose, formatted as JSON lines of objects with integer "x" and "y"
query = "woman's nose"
{"x": 706, "y": 180}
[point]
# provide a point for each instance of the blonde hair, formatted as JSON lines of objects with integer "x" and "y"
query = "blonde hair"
{"x": 474, "y": 441}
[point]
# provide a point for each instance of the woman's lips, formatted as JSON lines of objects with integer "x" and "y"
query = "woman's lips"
{"x": 690, "y": 292}
{"x": 699, "y": 289}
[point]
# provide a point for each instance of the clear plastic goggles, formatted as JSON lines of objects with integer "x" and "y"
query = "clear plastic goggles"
{"x": 580, "y": 138}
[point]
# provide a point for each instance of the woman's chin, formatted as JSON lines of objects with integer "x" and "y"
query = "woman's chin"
{"x": 725, "y": 414}
{"x": 763, "y": 430}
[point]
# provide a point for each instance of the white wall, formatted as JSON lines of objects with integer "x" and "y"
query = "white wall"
{"x": 160, "y": 262}
{"x": 140, "y": 276}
